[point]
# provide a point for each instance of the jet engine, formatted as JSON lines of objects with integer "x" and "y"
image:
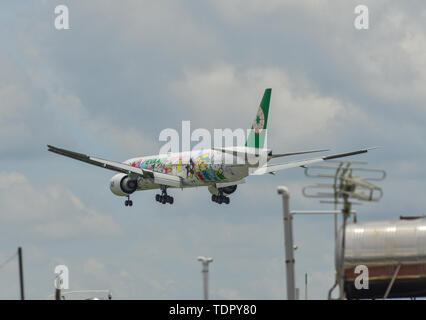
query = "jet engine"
{"x": 229, "y": 189}
{"x": 226, "y": 190}
{"x": 123, "y": 185}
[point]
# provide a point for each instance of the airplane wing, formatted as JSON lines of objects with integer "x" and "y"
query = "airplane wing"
{"x": 278, "y": 155}
{"x": 301, "y": 163}
{"x": 156, "y": 177}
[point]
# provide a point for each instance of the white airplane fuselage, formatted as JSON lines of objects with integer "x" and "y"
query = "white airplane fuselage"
{"x": 196, "y": 168}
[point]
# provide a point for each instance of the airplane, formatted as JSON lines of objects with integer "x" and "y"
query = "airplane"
{"x": 205, "y": 167}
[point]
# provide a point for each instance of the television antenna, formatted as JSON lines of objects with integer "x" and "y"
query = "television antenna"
{"x": 346, "y": 184}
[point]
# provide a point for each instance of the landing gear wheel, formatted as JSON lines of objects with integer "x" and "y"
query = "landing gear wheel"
{"x": 220, "y": 198}
{"x": 128, "y": 202}
{"x": 164, "y": 198}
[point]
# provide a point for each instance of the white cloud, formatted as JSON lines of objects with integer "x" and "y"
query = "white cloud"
{"x": 165, "y": 27}
{"x": 24, "y": 118}
{"x": 50, "y": 212}
{"x": 245, "y": 10}
{"x": 299, "y": 114}
{"x": 387, "y": 60}
{"x": 394, "y": 69}
{"x": 15, "y": 104}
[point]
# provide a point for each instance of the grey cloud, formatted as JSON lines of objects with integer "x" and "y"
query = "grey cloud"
{"x": 51, "y": 212}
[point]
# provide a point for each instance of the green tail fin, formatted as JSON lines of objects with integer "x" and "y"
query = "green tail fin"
{"x": 258, "y": 130}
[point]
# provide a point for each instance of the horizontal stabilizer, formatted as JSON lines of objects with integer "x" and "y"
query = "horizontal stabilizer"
{"x": 302, "y": 163}
{"x": 279, "y": 155}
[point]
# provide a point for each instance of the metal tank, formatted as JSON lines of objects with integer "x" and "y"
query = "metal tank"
{"x": 393, "y": 250}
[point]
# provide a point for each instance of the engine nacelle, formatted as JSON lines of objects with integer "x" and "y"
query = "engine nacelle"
{"x": 123, "y": 185}
{"x": 226, "y": 190}
{"x": 229, "y": 189}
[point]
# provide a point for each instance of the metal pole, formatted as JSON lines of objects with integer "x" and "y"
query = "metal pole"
{"x": 340, "y": 272}
{"x": 288, "y": 243}
{"x": 206, "y": 280}
{"x": 205, "y": 271}
{"x": 21, "y": 273}
{"x": 336, "y": 221}
{"x": 306, "y": 286}
{"x": 57, "y": 294}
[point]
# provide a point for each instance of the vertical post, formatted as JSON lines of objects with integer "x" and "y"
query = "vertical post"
{"x": 206, "y": 280}
{"x": 341, "y": 273}
{"x": 306, "y": 286}
{"x": 335, "y": 222}
{"x": 57, "y": 294}
{"x": 205, "y": 271}
{"x": 288, "y": 243}
{"x": 21, "y": 273}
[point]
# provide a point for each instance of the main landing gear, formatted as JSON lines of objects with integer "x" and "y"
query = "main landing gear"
{"x": 220, "y": 198}
{"x": 163, "y": 197}
{"x": 128, "y": 202}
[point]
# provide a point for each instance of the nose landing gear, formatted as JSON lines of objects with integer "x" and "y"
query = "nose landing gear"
{"x": 128, "y": 202}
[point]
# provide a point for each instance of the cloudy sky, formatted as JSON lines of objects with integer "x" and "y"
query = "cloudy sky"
{"x": 126, "y": 70}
